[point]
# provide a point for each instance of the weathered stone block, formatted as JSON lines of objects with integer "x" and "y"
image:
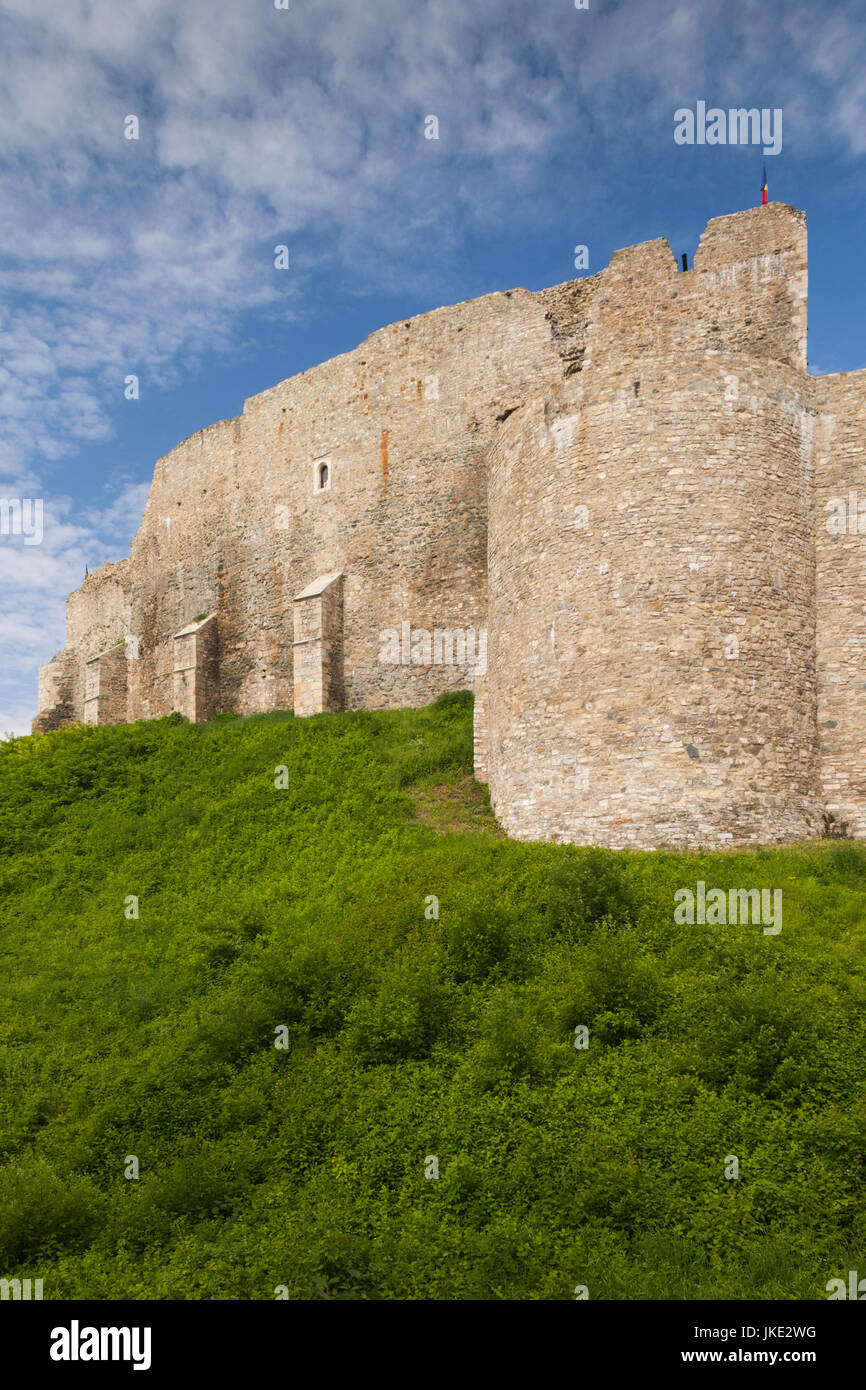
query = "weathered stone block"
{"x": 105, "y": 686}
{"x": 318, "y": 647}
{"x": 196, "y": 670}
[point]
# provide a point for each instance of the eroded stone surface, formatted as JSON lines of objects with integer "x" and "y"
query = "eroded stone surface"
{"x": 640, "y": 470}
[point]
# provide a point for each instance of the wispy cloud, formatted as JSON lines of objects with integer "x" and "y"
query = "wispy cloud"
{"x": 260, "y": 126}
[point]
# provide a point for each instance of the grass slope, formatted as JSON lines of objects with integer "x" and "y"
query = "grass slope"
{"x": 408, "y": 1036}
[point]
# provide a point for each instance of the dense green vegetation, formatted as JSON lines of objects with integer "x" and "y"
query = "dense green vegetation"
{"x": 408, "y": 1036}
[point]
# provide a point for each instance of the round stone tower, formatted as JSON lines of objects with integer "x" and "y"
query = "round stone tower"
{"x": 651, "y": 633}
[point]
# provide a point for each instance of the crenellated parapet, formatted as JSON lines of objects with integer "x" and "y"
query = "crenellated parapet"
{"x": 626, "y": 489}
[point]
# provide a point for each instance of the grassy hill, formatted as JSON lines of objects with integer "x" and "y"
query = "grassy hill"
{"x": 308, "y": 908}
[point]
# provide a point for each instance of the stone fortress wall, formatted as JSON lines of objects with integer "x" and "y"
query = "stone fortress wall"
{"x": 635, "y": 467}
{"x": 235, "y": 523}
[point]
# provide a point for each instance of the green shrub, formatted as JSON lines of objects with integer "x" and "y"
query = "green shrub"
{"x": 409, "y": 1035}
{"x": 43, "y": 1212}
{"x": 584, "y": 887}
{"x": 484, "y": 939}
{"x": 405, "y": 1015}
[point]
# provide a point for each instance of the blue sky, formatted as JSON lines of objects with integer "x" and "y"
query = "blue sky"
{"x": 305, "y": 127}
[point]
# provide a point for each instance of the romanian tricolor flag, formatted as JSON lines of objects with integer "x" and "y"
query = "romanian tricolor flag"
{"x": 764, "y": 187}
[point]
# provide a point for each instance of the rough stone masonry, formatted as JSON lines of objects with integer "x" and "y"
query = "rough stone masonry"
{"x": 629, "y": 484}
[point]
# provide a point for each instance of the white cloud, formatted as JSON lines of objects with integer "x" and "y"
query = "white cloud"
{"x": 260, "y": 126}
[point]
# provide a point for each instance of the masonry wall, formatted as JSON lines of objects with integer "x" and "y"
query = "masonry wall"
{"x": 639, "y": 465}
{"x": 840, "y": 541}
{"x": 105, "y": 687}
{"x": 97, "y": 618}
{"x": 318, "y": 647}
{"x": 195, "y": 678}
{"x": 56, "y": 692}
{"x": 235, "y": 524}
{"x": 651, "y": 563}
